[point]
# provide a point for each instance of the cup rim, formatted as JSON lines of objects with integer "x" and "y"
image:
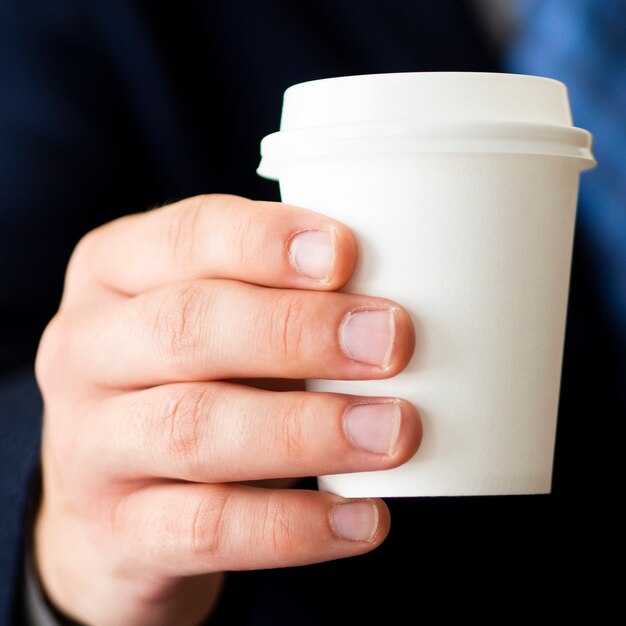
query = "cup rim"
{"x": 281, "y": 148}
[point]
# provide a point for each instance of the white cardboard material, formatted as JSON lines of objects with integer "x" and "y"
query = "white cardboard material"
{"x": 482, "y": 264}
{"x": 477, "y": 247}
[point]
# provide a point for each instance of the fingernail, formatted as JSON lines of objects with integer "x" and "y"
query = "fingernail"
{"x": 373, "y": 427}
{"x": 354, "y": 521}
{"x": 368, "y": 336}
{"x": 312, "y": 253}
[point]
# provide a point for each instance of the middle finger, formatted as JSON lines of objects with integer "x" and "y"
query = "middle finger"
{"x": 216, "y": 329}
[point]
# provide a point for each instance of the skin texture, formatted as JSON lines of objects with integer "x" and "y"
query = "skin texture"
{"x": 155, "y": 433}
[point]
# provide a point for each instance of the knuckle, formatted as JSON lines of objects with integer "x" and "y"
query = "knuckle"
{"x": 252, "y": 238}
{"x": 292, "y": 439}
{"x": 83, "y": 262}
{"x": 51, "y": 353}
{"x": 183, "y": 233}
{"x": 207, "y": 526}
{"x": 277, "y": 528}
{"x": 182, "y": 423}
{"x": 56, "y": 366}
{"x": 80, "y": 265}
{"x": 243, "y": 237}
{"x": 179, "y": 322}
{"x": 287, "y": 320}
{"x": 84, "y": 249}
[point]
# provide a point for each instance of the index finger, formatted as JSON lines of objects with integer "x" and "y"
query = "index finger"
{"x": 218, "y": 236}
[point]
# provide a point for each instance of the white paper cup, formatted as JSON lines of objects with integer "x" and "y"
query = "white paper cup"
{"x": 461, "y": 189}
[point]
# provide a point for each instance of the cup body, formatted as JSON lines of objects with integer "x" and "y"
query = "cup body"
{"x": 477, "y": 248}
{"x": 476, "y": 245}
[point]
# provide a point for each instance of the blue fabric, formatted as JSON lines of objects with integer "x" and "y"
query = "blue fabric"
{"x": 583, "y": 44}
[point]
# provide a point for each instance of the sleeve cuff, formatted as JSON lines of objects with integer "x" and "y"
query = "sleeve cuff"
{"x": 37, "y": 610}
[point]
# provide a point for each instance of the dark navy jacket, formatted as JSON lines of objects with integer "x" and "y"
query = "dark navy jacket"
{"x": 111, "y": 107}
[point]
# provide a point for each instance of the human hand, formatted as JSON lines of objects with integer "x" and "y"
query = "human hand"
{"x": 144, "y": 439}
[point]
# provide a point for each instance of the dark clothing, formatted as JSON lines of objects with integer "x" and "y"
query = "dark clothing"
{"x": 112, "y": 107}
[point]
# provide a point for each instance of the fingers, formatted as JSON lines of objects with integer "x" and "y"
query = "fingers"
{"x": 219, "y": 236}
{"x": 209, "y": 330}
{"x": 222, "y": 432}
{"x": 193, "y": 529}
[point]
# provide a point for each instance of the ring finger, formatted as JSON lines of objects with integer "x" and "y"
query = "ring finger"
{"x": 223, "y": 432}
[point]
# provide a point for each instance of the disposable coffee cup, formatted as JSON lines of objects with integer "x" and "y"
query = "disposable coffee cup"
{"x": 461, "y": 189}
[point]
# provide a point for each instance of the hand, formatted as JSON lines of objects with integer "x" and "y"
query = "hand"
{"x": 145, "y": 441}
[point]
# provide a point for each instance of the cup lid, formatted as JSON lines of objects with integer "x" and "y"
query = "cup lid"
{"x": 425, "y": 112}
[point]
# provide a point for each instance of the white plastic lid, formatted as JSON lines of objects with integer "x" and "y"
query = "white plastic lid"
{"x": 425, "y": 112}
